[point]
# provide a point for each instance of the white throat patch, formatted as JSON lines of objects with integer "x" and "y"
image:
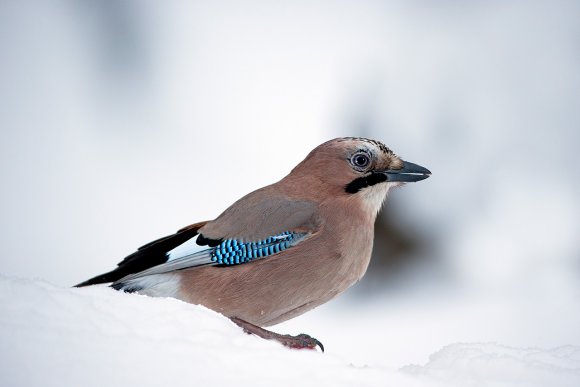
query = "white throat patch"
{"x": 374, "y": 196}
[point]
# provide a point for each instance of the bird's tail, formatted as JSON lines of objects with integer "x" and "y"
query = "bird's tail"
{"x": 112, "y": 276}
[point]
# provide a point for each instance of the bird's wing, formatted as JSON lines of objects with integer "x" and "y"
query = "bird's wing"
{"x": 250, "y": 229}
{"x": 146, "y": 256}
{"x": 228, "y": 253}
{"x": 254, "y": 227}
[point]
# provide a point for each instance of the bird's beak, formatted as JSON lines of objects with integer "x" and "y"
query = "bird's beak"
{"x": 409, "y": 173}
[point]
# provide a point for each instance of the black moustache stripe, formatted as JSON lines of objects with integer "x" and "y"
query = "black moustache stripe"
{"x": 365, "y": 181}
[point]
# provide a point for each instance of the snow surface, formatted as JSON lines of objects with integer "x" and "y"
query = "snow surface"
{"x": 108, "y": 140}
{"x": 55, "y": 336}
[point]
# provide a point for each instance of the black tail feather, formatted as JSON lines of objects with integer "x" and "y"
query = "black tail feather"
{"x": 111, "y": 276}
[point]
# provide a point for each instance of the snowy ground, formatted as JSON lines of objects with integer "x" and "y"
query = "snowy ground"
{"x": 55, "y": 336}
{"x": 122, "y": 121}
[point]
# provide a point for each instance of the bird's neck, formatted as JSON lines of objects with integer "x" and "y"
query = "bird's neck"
{"x": 367, "y": 202}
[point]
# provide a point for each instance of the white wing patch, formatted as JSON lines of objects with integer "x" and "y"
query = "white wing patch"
{"x": 187, "y": 248}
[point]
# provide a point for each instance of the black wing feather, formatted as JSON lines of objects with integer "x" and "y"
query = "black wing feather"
{"x": 149, "y": 255}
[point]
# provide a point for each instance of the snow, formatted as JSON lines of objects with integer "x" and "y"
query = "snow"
{"x": 499, "y": 365}
{"x": 113, "y": 137}
{"x": 56, "y": 336}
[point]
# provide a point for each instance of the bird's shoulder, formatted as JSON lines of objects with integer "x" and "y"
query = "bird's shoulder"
{"x": 261, "y": 214}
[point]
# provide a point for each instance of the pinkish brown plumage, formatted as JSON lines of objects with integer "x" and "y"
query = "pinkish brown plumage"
{"x": 328, "y": 204}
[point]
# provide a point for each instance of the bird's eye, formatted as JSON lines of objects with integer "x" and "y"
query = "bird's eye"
{"x": 360, "y": 160}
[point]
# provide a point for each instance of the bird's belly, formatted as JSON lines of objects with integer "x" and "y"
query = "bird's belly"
{"x": 269, "y": 291}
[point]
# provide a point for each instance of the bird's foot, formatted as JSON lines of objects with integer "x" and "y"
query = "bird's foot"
{"x": 301, "y": 341}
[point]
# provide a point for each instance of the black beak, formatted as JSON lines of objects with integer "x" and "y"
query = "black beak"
{"x": 409, "y": 173}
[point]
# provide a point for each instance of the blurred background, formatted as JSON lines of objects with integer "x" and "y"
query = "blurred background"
{"x": 122, "y": 121}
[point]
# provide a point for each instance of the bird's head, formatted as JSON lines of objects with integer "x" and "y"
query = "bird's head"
{"x": 357, "y": 167}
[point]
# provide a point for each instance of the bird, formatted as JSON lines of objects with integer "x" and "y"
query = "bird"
{"x": 281, "y": 250}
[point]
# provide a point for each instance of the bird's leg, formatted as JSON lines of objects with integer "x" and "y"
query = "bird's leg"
{"x": 300, "y": 341}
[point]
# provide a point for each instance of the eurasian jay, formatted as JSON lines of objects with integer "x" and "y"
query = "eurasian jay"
{"x": 280, "y": 250}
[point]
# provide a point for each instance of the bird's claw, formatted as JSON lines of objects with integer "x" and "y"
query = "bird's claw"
{"x": 302, "y": 341}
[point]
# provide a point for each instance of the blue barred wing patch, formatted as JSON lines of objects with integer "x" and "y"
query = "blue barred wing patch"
{"x": 234, "y": 252}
